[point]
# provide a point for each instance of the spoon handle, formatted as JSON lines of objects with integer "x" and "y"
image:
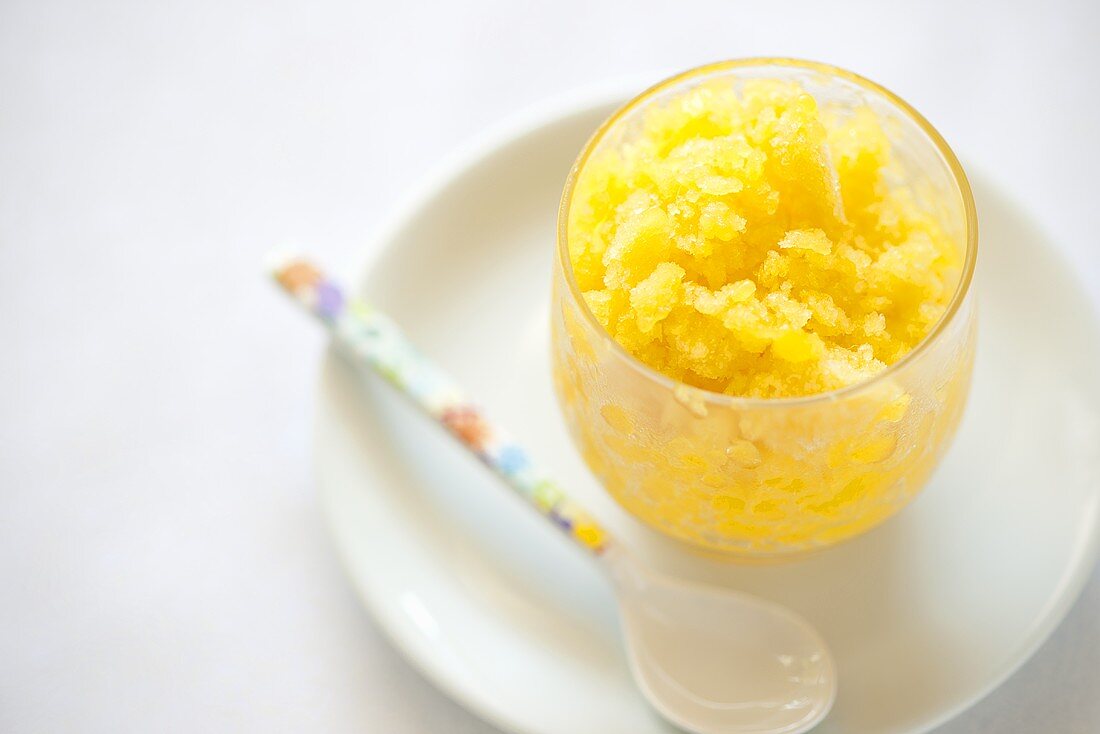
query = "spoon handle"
{"x": 372, "y": 340}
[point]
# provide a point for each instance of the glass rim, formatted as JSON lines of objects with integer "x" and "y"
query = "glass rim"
{"x": 962, "y": 289}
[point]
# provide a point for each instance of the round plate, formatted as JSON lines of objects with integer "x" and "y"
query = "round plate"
{"x": 925, "y": 614}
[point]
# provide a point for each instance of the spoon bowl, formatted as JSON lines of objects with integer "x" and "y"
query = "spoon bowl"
{"x": 715, "y": 661}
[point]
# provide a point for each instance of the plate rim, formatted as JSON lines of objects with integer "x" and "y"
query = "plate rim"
{"x": 440, "y": 176}
{"x": 511, "y": 128}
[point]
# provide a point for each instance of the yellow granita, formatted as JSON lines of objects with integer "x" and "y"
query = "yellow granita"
{"x": 743, "y": 241}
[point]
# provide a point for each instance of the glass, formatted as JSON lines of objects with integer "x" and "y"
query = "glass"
{"x": 771, "y": 477}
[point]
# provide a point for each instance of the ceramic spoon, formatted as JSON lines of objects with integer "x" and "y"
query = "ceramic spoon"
{"x": 711, "y": 660}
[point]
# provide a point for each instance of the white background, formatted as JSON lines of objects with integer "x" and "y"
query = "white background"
{"x": 163, "y": 564}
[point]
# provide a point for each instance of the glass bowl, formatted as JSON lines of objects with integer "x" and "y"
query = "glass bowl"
{"x": 758, "y": 478}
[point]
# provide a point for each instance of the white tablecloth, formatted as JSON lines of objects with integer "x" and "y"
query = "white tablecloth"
{"x": 163, "y": 564}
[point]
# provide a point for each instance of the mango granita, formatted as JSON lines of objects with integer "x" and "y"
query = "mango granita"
{"x": 764, "y": 232}
{"x": 746, "y": 241}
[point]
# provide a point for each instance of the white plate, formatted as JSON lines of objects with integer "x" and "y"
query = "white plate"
{"x": 925, "y": 614}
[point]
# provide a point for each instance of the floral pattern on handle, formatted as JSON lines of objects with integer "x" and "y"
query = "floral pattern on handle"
{"x": 373, "y": 340}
